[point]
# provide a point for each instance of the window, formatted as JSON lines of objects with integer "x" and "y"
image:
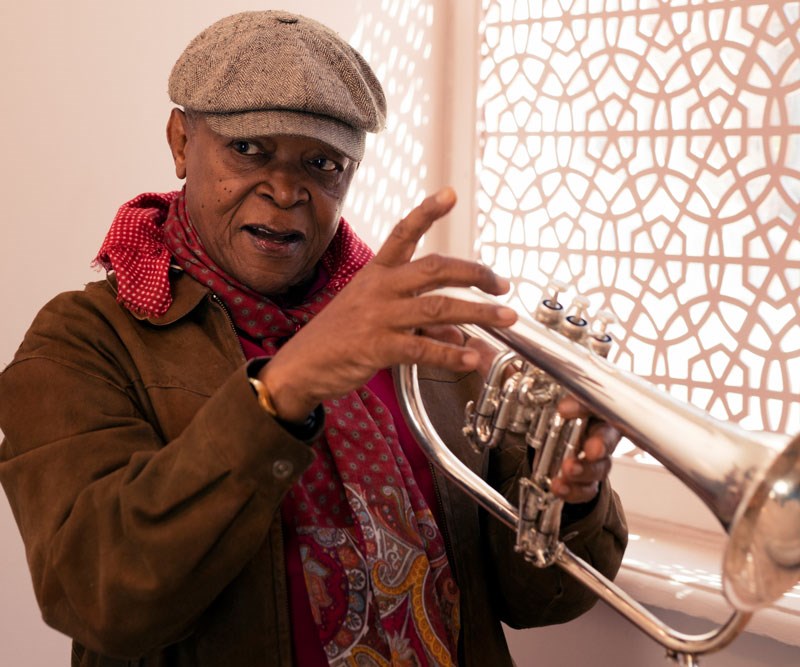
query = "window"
{"x": 648, "y": 153}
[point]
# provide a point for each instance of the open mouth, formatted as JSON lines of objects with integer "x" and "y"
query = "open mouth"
{"x": 271, "y": 236}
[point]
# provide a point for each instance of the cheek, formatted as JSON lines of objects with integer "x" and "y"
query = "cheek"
{"x": 331, "y": 216}
{"x": 336, "y": 200}
{"x": 198, "y": 205}
{"x": 210, "y": 197}
{"x": 209, "y": 179}
{"x": 206, "y": 213}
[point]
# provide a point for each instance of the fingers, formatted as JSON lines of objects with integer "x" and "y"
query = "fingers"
{"x": 411, "y": 349}
{"x": 394, "y": 268}
{"x": 487, "y": 355}
{"x": 382, "y": 307}
{"x": 602, "y": 436}
{"x": 403, "y": 239}
{"x": 570, "y": 408}
{"x": 433, "y": 271}
{"x": 436, "y": 310}
{"x": 580, "y": 477}
{"x": 445, "y": 333}
{"x": 575, "y": 493}
{"x": 584, "y": 471}
{"x": 602, "y": 441}
{"x": 454, "y": 336}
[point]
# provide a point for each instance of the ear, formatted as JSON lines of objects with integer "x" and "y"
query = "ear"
{"x": 177, "y": 137}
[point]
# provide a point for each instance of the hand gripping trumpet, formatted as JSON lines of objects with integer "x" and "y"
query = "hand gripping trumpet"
{"x": 750, "y": 484}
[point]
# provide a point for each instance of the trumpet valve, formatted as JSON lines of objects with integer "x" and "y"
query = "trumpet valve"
{"x": 479, "y": 425}
{"x": 524, "y": 406}
{"x": 574, "y": 325}
{"x": 539, "y": 426}
{"x": 550, "y": 311}
{"x": 599, "y": 340}
{"x": 538, "y": 524}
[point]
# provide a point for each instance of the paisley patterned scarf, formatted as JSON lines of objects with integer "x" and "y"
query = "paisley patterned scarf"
{"x": 379, "y": 584}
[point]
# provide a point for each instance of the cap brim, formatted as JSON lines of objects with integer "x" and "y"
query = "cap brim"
{"x": 347, "y": 140}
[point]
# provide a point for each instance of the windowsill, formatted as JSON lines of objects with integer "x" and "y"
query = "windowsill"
{"x": 674, "y": 555}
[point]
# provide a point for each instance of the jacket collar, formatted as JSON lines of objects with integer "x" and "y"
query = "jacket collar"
{"x": 187, "y": 294}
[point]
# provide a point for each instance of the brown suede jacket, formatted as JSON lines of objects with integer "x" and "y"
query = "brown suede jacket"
{"x": 146, "y": 482}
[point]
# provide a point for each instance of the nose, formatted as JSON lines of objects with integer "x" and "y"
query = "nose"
{"x": 283, "y": 185}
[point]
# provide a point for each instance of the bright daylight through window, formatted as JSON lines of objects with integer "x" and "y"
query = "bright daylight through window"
{"x": 648, "y": 153}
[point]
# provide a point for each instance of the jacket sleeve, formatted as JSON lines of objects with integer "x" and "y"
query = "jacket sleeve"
{"x": 527, "y": 596}
{"x": 129, "y": 537}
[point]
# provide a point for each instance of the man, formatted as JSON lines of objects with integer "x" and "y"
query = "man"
{"x": 204, "y": 452}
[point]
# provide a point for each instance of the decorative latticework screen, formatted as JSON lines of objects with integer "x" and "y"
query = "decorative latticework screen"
{"x": 648, "y": 153}
{"x": 397, "y": 39}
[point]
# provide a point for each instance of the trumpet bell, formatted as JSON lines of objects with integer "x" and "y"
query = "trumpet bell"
{"x": 762, "y": 557}
{"x": 749, "y": 481}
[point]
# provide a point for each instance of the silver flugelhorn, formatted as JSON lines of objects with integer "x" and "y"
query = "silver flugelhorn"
{"x": 751, "y": 484}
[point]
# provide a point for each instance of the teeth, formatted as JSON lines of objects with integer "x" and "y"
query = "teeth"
{"x": 274, "y": 236}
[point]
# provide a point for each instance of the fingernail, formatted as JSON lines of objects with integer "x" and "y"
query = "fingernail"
{"x": 506, "y": 314}
{"x": 470, "y": 358}
{"x": 503, "y": 284}
{"x": 445, "y": 196}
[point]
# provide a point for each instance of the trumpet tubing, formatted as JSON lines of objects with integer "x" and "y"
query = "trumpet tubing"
{"x": 750, "y": 483}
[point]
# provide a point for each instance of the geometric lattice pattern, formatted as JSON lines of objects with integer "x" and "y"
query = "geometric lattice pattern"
{"x": 396, "y": 38}
{"x": 648, "y": 153}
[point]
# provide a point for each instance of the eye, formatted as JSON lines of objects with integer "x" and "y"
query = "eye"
{"x": 246, "y": 147}
{"x": 326, "y": 164}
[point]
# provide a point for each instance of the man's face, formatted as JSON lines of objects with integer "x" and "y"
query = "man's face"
{"x": 265, "y": 208}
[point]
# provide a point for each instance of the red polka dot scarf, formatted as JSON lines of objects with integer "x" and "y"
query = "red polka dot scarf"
{"x": 379, "y": 584}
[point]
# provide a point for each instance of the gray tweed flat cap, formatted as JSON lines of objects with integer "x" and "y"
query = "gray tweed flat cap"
{"x": 272, "y": 72}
